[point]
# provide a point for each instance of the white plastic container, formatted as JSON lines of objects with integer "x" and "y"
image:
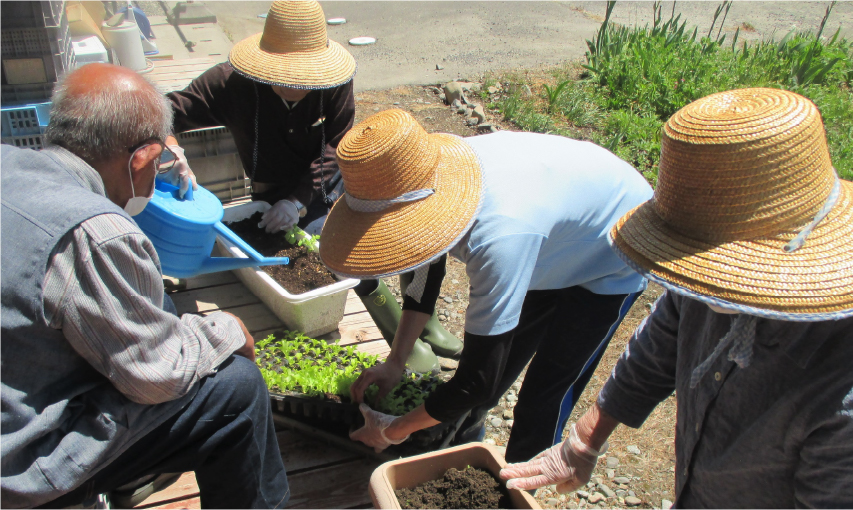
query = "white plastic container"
{"x": 314, "y": 313}
{"x": 89, "y": 49}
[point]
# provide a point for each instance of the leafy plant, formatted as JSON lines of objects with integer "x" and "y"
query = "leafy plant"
{"x": 299, "y": 237}
{"x": 553, "y": 94}
{"x": 295, "y": 363}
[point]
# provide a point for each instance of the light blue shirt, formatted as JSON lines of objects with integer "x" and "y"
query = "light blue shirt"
{"x": 548, "y": 205}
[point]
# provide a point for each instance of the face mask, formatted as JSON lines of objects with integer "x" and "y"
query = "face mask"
{"x": 136, "y": 204}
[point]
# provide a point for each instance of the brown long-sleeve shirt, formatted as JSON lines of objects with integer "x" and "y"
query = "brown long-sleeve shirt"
{"x": 289, "y": 140}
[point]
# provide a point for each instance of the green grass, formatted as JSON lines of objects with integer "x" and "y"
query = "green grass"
{"x": 633, "y": 79}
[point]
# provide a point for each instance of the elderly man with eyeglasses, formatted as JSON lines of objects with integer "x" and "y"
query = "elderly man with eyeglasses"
{"x": 102, "y": 383}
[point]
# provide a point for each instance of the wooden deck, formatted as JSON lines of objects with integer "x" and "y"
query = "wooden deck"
{"x": 320, "y": 473}
{"x": 169, "y": 75}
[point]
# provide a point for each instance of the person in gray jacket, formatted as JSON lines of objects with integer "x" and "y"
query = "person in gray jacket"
{"x": 102, "y": 383}
{"x": 750, "y": 232}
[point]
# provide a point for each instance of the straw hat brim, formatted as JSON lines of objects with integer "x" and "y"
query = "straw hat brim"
{"x": 375, "y": 244}
{"x": 318, "y": 69}
{"x": 812, "y": 283}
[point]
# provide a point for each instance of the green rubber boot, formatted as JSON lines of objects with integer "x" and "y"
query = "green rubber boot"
{"x": 385, "y": 312}
{"x": 443, "y": 342}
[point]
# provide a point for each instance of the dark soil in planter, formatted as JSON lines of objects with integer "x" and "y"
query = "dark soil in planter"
{"x": 466, "y": 488}
{"x": 305, "y": 271}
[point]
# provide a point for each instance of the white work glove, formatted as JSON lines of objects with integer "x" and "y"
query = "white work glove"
{"x": 180, "y": 175}
{"x": 568, "y": 464}
{"x": 281, "y": 216}
{"x": 373, "y": 431}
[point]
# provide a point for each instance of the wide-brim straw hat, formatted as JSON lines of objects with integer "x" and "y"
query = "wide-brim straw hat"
{"x": 743, "y": 176}
{"x": 386, "y": 223}
{"x": 293, "y": 50}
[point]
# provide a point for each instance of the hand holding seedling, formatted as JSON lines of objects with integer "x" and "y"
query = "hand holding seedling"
{"x": 373, "y": 431}
{"x": 384, "y": 375}
{"x": 281, "y": 216}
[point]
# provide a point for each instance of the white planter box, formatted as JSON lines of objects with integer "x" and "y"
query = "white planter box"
{"x": 314, "y": 313}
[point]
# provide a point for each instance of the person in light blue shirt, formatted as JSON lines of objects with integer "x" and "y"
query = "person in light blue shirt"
{"x": 532, "y": 231}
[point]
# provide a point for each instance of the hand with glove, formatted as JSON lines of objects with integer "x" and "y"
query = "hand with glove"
{"x": 373, "y": 431}
{"x": 569, "y": 465}
{"x": 281, "y": 216}
{"x": 180, "y": 175}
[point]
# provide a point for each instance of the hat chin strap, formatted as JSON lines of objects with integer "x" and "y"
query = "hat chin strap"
{"x": 798, "y": 242}
{"x": 361, "y": 205}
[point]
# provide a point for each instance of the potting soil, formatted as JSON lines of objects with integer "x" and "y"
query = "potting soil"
{"x": 305, "y": 271}
{"x": 467, "y": 488}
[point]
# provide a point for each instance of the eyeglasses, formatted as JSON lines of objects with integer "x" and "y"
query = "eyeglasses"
{"x": 149, "y": 144}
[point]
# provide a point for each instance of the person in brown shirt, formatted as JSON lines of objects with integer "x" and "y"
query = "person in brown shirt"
{"x": 286, "y": 95}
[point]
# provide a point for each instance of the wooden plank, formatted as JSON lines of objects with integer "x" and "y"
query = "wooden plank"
{"x": 198, "y": 282}
{"x": 184, "y": 488}
{"x": 256, "y": 317}
{"x": 214, "y": 298}
{"x": 377, "y": 347}
{"x": 340, "y": 486}
{"x": 183, "y": 62}
{"x": 299, "y": 452}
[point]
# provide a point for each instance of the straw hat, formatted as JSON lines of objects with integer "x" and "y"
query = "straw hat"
{"x": 744, "y": 176}
{"x": 294, "y": 50}
{"x": 410, "y": 196}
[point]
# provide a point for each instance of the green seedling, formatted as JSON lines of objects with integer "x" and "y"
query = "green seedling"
{"x": 299, "y": 237}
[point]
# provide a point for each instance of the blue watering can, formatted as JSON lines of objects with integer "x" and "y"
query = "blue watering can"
{"x": 183, "y": 232}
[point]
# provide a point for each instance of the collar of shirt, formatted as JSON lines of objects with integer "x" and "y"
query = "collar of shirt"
{"x": 79, "y": 169}
{"x": 288, "y": 105}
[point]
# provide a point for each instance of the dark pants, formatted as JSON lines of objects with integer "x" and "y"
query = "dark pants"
{"x": 225, "y": 434}
{"x": 565, "y": 332}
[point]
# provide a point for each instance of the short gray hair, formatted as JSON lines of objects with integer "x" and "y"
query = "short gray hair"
{"x": 99, "y": 126}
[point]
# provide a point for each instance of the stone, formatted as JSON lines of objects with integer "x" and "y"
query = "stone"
{"x": 590, "y": 484}
{"x": 454, "y": 282}
{"x": 439, "y": 67}
{"x": 496, "y": 422}
{"x": 597, "y": 480}
{"x": 610, "y": 473}
{"x": 508, "y": 424}
{"x": 489, "y": 440}
{"x": 633, "y": 449}
{"x": 607, "y": 491}
{"x": 507, "y": 414}
{"x": 582, "y": 494}
{"x": 666, "y": 504}
{"x": 462, "y": 110}
{"x": 621, "y": 493}
{"x": 595, "y": 497}
{"x": 473, "y": 121}
{"x": 622, "y": 480}
{"x": 493, "y": 129}
{"x": 572, "y": 505}
{"x": 633, "y": 501}
{"x": 516, "y": 386}
{"x": 448, "y": 299}
{"x": 448, "y": 364}
{"x": 511, "y": 398}
{"x": 453, "y": 91}
{"x": 612, "y": 462}
{"x": 527, "y": 91}
{"x": 479, "y": 113}
{"x": 455, "y": 104}
{"x": 442, "y": 97}
{"x": 454, "y": 315}
{"x": 632, "y": 493}
{"x": 552, "y": 502}
{"x": 492, "y": 90}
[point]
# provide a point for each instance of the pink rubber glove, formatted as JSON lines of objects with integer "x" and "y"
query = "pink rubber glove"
{"x": 281, "y": 216}
{"x": 181, "y": 174}
{"x": 373, "y": 431}
{"x": 569, "y": 465}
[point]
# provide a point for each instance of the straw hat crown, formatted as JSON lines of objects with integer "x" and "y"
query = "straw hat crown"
{"x": 372, "y": 154}
{"x": 742, "y": 164}
{"x": 293, "y": 50}
{"x": 294, "y": 25}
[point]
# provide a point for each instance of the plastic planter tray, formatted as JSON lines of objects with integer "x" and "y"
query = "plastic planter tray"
{"x": 413, "y": 471}
{"x": 314, "y": 313}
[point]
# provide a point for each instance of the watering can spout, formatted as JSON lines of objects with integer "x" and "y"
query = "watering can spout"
{"x": 216, "y": 264}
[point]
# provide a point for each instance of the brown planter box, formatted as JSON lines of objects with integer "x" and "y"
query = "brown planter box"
{"x": 413, "y": 471}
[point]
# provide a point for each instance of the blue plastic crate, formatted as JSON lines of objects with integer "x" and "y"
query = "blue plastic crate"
{"x": 31, "y": 119}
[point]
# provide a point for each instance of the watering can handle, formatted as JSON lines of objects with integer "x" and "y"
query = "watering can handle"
{"x": 171, "y": 188}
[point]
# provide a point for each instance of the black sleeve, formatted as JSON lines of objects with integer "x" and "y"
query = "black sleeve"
{"x": 481, "y": 368}
{"x": 197, "y": 106}
{"x": 432, "y": 288}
